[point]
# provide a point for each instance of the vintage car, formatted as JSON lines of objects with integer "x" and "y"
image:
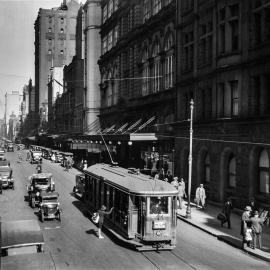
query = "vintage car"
{"x": 49, "y": 206}
{"x": 21, "y": 246}
{"x": 10, "y": 147}
{"x": 79, "y": 185}
{"x": 35, "y": 156}
{"x": 39, "y": 182}
{"x": 6, "y": 178}
{"x": 2, "y": 154}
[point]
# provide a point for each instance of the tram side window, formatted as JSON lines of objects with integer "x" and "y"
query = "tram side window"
{"x": 117, "y": 205}
{"x": 111, "y": 198}
{"x": 159, "y": 205}
{"x": 91, "y": 189}
{"x": 105, "y": 195}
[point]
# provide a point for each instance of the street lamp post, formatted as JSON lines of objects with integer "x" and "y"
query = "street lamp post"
{"x": 188, "y": 212}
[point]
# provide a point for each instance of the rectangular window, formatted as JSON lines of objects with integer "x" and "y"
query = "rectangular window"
{"x": 110, "y": 40}
{"x": 234, "y": 25}
{"x": 235, "y": 97}
{"x": 264, "y": 181}
{"x": 104, "y": 13}
{"x": 116, "y": 34}
{"x": 110, "y": 8}
{"x": 188, "y": 51}
{"x": 146, "y": 9}
{"x": 156, "y": 6}
{"x": 168, "y": 71}
{"x": 220, "y": 100}
{"x": 104, "y": 45}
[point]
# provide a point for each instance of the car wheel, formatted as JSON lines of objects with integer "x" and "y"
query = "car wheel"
{"x": 74, "y": 189}
{"x": 59, "y": 216}
{"x": 13, "y": 186}
{"x": 33, "y": 202}
{"x": 41, "y": 216}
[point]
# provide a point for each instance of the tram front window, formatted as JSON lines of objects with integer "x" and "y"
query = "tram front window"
{"x": 159, "y": 205}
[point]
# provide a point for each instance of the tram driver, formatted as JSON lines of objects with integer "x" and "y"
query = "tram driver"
{"x": 156, "y": 206}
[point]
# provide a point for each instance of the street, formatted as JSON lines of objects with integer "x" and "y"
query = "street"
{"x": 73, "y": 244}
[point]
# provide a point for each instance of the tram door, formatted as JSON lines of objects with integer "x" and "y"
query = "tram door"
{"x": 141, "y": 216}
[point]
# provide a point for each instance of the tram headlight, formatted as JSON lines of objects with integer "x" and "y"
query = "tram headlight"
{"x": 158, "y": 233}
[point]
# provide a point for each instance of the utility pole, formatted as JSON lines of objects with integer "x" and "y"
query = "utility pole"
{"x": 188, "y": 212}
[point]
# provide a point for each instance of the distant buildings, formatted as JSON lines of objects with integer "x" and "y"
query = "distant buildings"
{"x": 54, "y": 46}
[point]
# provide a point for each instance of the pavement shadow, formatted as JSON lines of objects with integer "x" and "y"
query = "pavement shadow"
{"x": 82, "y": 207}
{"x": 92, "y": 231}
{"x": 230, "y": 240}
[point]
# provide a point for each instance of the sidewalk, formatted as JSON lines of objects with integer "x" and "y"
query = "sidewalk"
{"x": 206, "y": 220}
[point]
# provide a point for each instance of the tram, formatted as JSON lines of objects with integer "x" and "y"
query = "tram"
{"x": 144, "y": 212}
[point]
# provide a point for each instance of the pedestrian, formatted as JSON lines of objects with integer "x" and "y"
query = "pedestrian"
{"x": 227, "y": 209}
{"x": 101, "y": 213}
{"x": 200, "y": 196}
{"x": 253, "y": 206}
{"x": 85, "y": 165}
{"x": 39, "y": 168}
{"x": 175, "y": 182}
{"x": 256, "y": 227}
{"x": 245, "y": 224}
{"x": 169, "y": 176}
{"x": 181, "y": 191}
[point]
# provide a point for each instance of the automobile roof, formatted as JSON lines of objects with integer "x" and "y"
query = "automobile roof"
{"x": 41, "y": 175}
{"x": 131, "y": 181}
{"x": 37, "y": 261}
{"x": 20, "y": 233}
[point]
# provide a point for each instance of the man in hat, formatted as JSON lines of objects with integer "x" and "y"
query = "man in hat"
{"x": 200, "y": 196}
{"x": 181, "y": 191}
{"x": 256, "y": 227}
{"x": 245, "y": 223}
{"x": 227, "y": 209}
{"x": 102, "y": 212}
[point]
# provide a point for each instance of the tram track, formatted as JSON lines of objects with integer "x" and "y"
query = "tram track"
{"x": 157, "y": 266}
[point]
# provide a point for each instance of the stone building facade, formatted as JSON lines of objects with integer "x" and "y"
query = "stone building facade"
{"x": 137, "y": 86}
{"x": 223, "y": 64}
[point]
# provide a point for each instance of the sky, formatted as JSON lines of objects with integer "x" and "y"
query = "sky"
{"x": 17, "y": 18}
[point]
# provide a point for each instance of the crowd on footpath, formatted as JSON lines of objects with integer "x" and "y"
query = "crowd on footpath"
{"x": 252, "y": 219}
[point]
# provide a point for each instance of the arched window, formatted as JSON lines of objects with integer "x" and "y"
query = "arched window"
{"x": 168, "y": 61}
{"x": 207, "y": 168}
{"x": 264, "y": 172}
{"x": 156, "y": 68}
{"x": 232, "y": 171}
{"x": 145, "y": 73}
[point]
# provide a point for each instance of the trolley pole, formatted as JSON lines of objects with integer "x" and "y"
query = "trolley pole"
{"x": 188, "y": 212}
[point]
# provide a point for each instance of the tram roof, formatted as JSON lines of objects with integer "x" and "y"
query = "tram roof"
{"x": 131, "y": 182}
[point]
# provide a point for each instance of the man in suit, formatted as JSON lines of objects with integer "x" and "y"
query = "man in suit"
{"x": 227, "y": 209}
{"x": 256, "y": 226}
{"x": 200, "y": 196}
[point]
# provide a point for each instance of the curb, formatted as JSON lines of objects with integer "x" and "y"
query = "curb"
{"x": 223, "y": 239}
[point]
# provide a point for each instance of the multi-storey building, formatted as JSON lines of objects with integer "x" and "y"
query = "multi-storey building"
{"x": 137, "y": 86}
{"x": 223, "y": 64}
{"x": 54, "y": 45}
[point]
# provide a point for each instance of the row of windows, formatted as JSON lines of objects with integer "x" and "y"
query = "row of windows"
{"x": 50, "y": 19}
{"x": 152, "y": 7}
{"x": 50, "y": 30}
{"x": 110, "y": 40}
{"x": 263, "y": 183}
{"x": 108, "y": 9}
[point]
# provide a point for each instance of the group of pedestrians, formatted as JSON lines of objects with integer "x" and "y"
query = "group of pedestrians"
{"x": 251, "y": 227}
{"x": 251, "y": 224}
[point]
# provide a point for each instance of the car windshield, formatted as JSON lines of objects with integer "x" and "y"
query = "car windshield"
{"x": 41, "y": 181}
{"x": 50, "y": 199}
{"x": 5, "y": 174}
{"x": 37, "y": 153}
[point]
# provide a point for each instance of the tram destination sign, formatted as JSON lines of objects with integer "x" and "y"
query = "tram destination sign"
{"x": 159, "y": 225}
